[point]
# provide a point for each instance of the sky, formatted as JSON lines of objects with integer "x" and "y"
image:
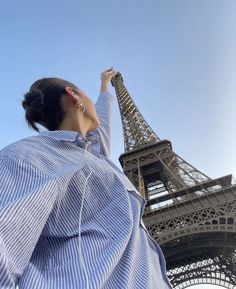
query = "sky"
{"x": 177, "y": 59}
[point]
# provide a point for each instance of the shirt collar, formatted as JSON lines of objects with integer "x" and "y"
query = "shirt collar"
{"x": 71, "y": 136}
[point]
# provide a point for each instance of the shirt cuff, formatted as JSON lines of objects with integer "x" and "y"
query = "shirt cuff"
{"x": 107, "y": 94}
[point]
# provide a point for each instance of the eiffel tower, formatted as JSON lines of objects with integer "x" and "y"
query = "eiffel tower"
{"x": 191, "y": 216}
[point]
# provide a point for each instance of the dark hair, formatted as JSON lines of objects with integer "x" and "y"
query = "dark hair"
{"x": 42, "y": 103}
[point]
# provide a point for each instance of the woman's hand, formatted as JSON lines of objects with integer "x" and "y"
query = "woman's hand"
{"x": 106, "y": 77}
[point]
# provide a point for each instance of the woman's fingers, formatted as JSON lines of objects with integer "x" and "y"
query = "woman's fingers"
{"x": 110, "y": 70}
{"x": 113, "y": 74}
{"x": 107, "y": 75}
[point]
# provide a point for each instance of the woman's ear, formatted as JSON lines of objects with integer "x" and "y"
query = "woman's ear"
{"x": 69, "y": 91}
{"x": 71, "y": 94}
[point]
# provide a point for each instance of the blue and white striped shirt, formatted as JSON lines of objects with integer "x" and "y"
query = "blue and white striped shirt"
{"x": 70, "y": 218}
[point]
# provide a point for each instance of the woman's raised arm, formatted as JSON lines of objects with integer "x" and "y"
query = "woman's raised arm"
{"x": 104, "y": 110}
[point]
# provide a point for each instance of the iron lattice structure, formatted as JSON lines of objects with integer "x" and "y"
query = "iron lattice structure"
{"x": 191, "y": 216}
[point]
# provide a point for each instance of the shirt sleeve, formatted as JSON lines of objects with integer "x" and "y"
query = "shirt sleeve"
{"x": 27, "y": 197}
{"x": 104, "y": 111}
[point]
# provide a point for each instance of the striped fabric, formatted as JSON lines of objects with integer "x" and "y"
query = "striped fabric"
{"x": 70, "y": 218}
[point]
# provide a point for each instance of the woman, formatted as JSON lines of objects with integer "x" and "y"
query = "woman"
{"x": 69, "y": 218}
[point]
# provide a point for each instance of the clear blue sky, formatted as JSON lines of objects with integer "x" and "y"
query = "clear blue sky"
{"x": 178, "y": 60}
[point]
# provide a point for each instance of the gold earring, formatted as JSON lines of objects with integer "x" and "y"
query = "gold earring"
{"x": 79, "y": 103}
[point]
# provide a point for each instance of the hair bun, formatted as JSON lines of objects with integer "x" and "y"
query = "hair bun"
{"x": 34, "y": 104}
